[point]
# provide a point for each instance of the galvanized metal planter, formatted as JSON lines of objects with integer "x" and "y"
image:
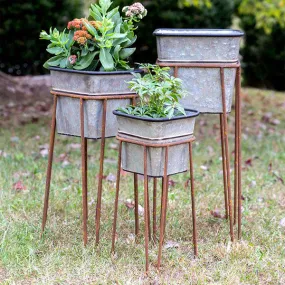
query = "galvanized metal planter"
{"x": 203, "y": 46}
{"x": 89, "y": 83}
{"x": 157, "y": 131}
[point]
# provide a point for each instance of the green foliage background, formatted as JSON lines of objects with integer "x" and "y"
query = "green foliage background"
{"x": 21, "y": 51}
{"x": 263, "y": 22}
{"x": 264, "y": 51}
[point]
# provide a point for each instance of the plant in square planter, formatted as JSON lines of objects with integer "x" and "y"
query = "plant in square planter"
{"x": 158, "y": 118}
{"x": 214, "y": 46}
{"x": 91, "y": 59}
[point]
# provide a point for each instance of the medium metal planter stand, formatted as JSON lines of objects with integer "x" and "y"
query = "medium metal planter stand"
{"x": 164, "y": 198}
{"x": 82, "y": 98}
{"x": 224, "y": 137}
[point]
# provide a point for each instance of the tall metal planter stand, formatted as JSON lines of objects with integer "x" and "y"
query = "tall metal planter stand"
{"x": 82, "y": 98}
{"x": 224, "y": 137}
{"x": 164, "y": 198}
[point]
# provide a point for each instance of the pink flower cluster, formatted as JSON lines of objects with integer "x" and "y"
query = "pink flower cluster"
{"x": 137, "y": 9}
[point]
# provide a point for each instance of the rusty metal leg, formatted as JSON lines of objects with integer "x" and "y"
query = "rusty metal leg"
{"x": 50, "y": 158}
{"x": 146, "y": 218}
{"x": 193, "y": 200}
{"x": 84, "y": 174}
{"x": 100, "y": 178}
{"x": 227, "y": 156}
{"x": 224, "y": 167}
{"x": 86, "y": 167}
{"x": 136, "y": 204}
{"x": 163, "y": 208}
{"x": 236, "y": 149}
{"x": 154, "y": 208}
{"x": 117, "y": 197}
{"x": 148, "y": 211}
{"x": 238, "y": 84}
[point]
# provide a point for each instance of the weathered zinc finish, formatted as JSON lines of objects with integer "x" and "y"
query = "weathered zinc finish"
{"x": 89, "y": 84}
{"x": 178, "y": 158}
{"x": 187, "y": 45}
{"x": 157, "y": 131}
{"x": 204, "y": 92}
{"x": 203, "y": 45}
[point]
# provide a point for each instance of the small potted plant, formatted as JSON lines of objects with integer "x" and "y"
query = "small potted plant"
{"x": 203, "y": 46}
{"x": 91, "y": 58}
{"x": 158, "y": 117}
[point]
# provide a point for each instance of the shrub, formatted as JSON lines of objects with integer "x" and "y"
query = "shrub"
{"x": 264, "y": 52}
{"x": 21, "y": 51}
{"x": 170, "y": 14}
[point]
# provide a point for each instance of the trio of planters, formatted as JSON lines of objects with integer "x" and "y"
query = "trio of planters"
{"x": 91, "y": 58}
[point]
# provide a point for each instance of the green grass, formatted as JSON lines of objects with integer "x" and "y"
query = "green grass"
{"x": 60, "y": 257}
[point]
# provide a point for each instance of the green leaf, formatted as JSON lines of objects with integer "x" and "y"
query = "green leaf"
{"x": 90, "y": 29}
{"x": 70, "y": 40}
{"x": 105, "y": 5}
{"x": 84, "y": 51}
{"x": 85, "y": 61}
{"x": 112, "y": 13}
{"x": 117, "y": 19}
{"x": 53, "y": 61}
{"x": 117, "y": 36}
{"x": 106, "y": 59}
{"x": 119, "y": 41}
{"x": 95, "y": 14}
{"x": 126, "y": 52}
{"x": 116, "y": 53}
{"x": 55, "y": 50}
{"x": 63, "y": 63}
{"x": 130, "y": 42}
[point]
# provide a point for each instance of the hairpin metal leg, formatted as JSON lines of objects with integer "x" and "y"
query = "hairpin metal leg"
{"x": 84, "y": 173}
{"x": 50, "y": 158}
{"x": 225, "y": 124}
{"x": 236, "y": 150}
{"x": 239, "y": 150}
{"x": 193, "y": 200}
{"x": 86, "y": 177}
{"x": 163, "y": 208}
{"x": 136, "y": 204}
{"x": 146, "y": 213}
{"x": 154, "y": 208}
{"x": 100, "y": 178}
{"x": 224, "y": 166}
{"x": 117, "y": 197}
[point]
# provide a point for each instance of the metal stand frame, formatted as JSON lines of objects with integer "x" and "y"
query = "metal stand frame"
{"x": 224, "y": 138}
{"x": 81, "y": 97}
{"x": 164, "y": 197}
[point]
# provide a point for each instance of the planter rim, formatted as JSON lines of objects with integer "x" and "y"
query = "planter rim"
{"x": 189, "y": 114}
{"x": 164, "y": 32}
{"x": 118, "y": 72}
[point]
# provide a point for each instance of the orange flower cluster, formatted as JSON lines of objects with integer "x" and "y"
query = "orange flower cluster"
{"x": 82, "y": 36}
{"x": 77, "y": 24}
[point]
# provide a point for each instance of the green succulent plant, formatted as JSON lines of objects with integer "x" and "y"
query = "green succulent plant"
{"x": 158, "y": 91}
{"x": 103, "y": 41}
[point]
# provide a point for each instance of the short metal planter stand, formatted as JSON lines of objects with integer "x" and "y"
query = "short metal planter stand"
{"x": 81, "y": 98}
{"x": 164, "y": 199}
{"x": 224, "y": 136}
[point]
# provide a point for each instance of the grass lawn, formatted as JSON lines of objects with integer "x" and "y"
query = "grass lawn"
{"x": 60, "y": 257}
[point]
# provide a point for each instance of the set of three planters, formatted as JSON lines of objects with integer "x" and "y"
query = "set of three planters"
{"x": 87, "y": 102}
